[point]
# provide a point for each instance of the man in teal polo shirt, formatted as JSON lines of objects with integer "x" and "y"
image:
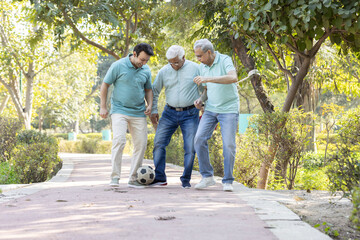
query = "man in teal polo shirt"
{"x": 218, "y": 75}
{"x": 132, "y": 85}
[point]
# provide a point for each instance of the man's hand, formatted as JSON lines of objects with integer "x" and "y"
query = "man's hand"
{"x": 104, "y": 112}
{"x": 154, "y": 120}
{"x": 198, "y": 103}
{"x": 199, "y": 80}
{"x": 148, "y": 110}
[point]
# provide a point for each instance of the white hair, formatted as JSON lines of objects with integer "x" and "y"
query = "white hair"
{"x": 175, "y": 51}
{"x": 204, "y": 44}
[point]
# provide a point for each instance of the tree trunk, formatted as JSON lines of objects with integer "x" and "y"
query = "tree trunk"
{"x": 4, "y": 102}
{"x": 248, "y": 62}
{"x": 265, "y": 166}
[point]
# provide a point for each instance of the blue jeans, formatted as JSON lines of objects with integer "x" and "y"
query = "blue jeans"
{"x": 228, "y": 128}
{"x": 170, "y": 120}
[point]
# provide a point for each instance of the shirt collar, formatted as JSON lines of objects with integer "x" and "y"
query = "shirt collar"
{"x": 130, "y": 65}
{"x": 216, "y": 60}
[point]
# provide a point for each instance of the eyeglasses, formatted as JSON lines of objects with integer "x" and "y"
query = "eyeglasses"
{"x": 174, "y": 64}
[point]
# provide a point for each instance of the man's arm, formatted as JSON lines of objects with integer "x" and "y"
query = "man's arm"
{"x": 103, "y": 95}
{"x": 149, "y": 100}
{"x": 230, "y": 77}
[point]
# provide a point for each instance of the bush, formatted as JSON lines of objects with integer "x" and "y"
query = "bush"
{"x": 8, "y": 129}
{"x": 149, "y": 146}
{"x": 92, "y": 145}
{"x": 311, "y": 179}
{"x": 104, "y": 147}
{"x": 312, "y": 160}
{"x": 8, "y": 174}
{"x": 355, "y": 215}
{"x": 88, "y": 145}
{"x": 248, "y": 159}
{"x": 344, "y": 169}
{"x": 35, "y": 157}
{"x": 32, "y": 136}
{"x": 35, "y": 162}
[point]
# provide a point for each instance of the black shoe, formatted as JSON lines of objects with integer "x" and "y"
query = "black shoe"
{"x": 158, "y": 183}
{"x": 186, "y": 185}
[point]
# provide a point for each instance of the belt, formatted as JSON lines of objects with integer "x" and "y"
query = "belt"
{"x": 180, "y": 109}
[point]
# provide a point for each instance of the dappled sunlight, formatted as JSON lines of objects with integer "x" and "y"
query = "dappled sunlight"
{"x": 86, "y": 207}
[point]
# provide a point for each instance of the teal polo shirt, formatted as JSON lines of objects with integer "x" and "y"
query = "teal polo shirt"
{"x": 128, "y": 97}
{"x": 222, "y": 98}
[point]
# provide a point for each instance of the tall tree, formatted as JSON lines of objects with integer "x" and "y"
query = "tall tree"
{"x": 25, "y": 52}
{"x": 111, "y": 26}
{"x": 298, "y": 28}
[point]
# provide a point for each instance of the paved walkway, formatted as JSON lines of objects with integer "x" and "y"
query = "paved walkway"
{"x": 78, "y": 204}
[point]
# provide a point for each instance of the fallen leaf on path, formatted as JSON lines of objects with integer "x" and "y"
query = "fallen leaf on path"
{"x": 165, "y": 218}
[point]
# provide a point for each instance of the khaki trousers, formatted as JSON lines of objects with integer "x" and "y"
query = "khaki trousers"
{"x": 138, "y": 131}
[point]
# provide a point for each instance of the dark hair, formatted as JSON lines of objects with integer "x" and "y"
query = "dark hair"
{"x": 144, "y": 47}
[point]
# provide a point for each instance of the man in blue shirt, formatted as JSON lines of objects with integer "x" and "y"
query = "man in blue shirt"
{"x": 131, "y": 78}
{"x": 218, "y": 74}
{"x": 180, "y": 92}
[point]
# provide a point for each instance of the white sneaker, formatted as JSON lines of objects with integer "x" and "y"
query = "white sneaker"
{"x": 227, "y": 187}
{"x": 205, "y": 182}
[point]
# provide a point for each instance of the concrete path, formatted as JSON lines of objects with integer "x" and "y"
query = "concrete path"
{"x": 78, "y": 204}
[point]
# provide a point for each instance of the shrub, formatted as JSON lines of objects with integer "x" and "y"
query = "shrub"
{"x": 248, "y": 158}
{"x": 104, "y": 147}
{"x": 311, "y": 179}
{"x": 344, "y": 170}
{"x": 355, "y": 214}
{"x": 35, "y": 162}
{"x": 312, "y": 160}
{"x": 35, "y": 157}
{"x": 61, "y": 135}
{"x": 149, "y": 146}
{"x": 88, "y": 145}
{"x": 8, "y": 129}
{"x": 8, "y": 174}
{"x": 175, "y": 149}
{"x": 32, "y": 136}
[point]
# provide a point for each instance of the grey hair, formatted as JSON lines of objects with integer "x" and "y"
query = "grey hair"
{"x": 175, "y": 51}
{"x": 204, "y": 44}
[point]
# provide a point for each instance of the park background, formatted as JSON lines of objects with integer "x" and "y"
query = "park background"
{"x": 303, "y": 107}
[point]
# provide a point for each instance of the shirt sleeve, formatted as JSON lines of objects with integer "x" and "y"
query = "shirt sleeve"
{"x": 111, "y": 75}
{"x": 148, "y": 81}
{"x": 228, "y": 64}
{"x": 157, "y": 87}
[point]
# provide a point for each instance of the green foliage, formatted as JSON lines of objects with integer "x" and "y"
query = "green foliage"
{"x": 312, "y": 160}
{"x": 327, "y": 228}
{"x": 32, "y": 136}
{"x": 35, "y": 157}
{"x": 355, "y": 214}
{"x": 175, "y": 149}
{"x": 311, "y": 179}
{"x": 88, "y": 145}
{"x": 8, "y": 129}
{"x": 216, "y": 152}
{"x": 92, "y": 143}
{"x": 297, "y": 23}
{"x": 344, "y": 170}
{"x": 289, "y": 131}
{"x": 249, "y": 154}
{"x": 149, "y": 147}
{"x": 8, "y": 174}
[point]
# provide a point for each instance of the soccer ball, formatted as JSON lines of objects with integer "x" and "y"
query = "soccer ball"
{"x": 145, "y": 175}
